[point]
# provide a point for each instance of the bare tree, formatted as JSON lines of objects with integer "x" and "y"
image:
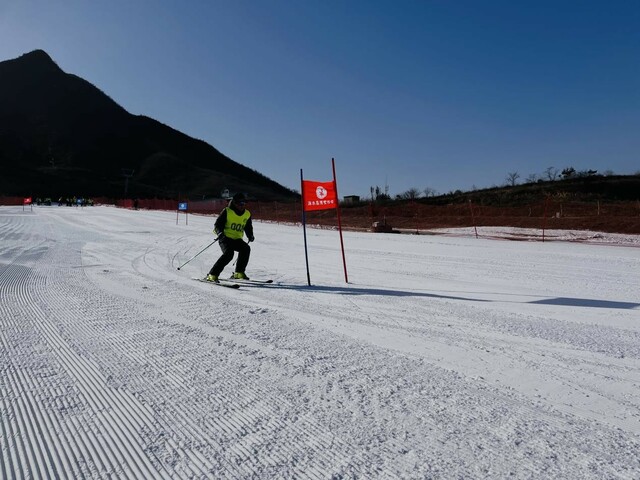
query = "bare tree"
{"x": 430, "y": 192}
{"x": 532, "y": 178}
{"x": 551, "y": 173}
{"x": 512, "y": 178}
{"x": 568, "y": 172}
{"x": 410, "y": 194}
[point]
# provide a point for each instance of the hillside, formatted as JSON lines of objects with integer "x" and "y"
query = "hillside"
{"x": 60, "y": 135}
{"x": 610, "y": 188}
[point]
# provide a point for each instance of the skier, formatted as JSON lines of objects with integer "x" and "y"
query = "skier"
{"x": 234, "y": 221}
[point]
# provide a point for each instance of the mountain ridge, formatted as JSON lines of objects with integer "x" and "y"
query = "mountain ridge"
{"x": 61, "y": 135}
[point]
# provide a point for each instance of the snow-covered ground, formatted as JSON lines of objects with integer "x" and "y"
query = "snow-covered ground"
{"x": 443, "y": 357}
{"x": 536, "y": 234}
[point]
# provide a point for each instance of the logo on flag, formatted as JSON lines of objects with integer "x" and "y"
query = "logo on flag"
{"x": 321, "y": 192}
{"x": 319, "y": 195}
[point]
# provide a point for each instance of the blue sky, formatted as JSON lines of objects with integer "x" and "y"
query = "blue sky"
{"x": 438, "y": 94}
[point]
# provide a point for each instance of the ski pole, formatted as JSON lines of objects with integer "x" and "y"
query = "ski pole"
{"x": 198, "y": 253}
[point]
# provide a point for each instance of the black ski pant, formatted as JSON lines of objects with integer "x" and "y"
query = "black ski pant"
{"x": 229, "y": 246}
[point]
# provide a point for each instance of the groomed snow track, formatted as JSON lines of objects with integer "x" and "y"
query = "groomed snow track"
{"x": 114, "y": 365}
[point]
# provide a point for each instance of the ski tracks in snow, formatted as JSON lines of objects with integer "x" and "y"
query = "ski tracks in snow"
{"x": 462, "y": 424}
{"x": 96, "y": 385}
{"x": 114, "y": 365}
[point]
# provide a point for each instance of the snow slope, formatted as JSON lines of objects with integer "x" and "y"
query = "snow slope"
{"x": 444, "y": 357}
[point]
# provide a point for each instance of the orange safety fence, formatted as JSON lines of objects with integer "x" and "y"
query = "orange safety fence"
{"x": 416, "y": 216}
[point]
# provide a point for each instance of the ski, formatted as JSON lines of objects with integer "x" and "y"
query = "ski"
{"x": 251, "y": 281}
{"x": 222, "y": 283}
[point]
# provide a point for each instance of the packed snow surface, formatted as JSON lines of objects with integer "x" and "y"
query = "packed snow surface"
{"x": 442, "y": 357}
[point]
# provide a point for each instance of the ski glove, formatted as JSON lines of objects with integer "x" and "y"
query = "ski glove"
{"x": 251, "y": 238}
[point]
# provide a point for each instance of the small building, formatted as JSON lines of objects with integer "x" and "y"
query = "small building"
{"x": 349, "y": 199}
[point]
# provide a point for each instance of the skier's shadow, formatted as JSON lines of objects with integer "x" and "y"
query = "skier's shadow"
{"x": 352, "y": 290}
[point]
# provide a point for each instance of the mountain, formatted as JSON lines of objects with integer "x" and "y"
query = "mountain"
{"x": 60, "y": 136}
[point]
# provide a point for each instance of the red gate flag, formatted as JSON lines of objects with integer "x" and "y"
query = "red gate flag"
{"x": 27, "y": 201}
{"x": 319, "y": 195}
